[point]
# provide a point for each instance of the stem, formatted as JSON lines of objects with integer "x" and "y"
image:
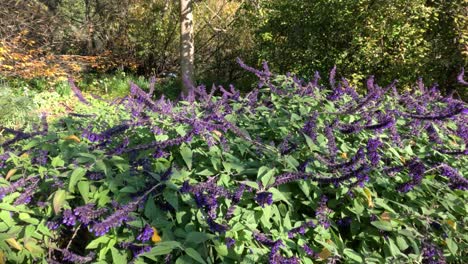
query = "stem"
{"x": 73, "y": 236}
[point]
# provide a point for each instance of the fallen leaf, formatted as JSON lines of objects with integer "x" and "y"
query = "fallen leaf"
{"x": 325, "y": 253}
{"x": 216, "y": 132}
{"x": 10, "y": 173}
{"x": 73, "y": 138}
{"x": 155, "y": 238}
{"x": 385, "y": 216}
{"x": 368, "y": 193}
{"x": 13, "y": 243}
{"x": 452, "y": 224}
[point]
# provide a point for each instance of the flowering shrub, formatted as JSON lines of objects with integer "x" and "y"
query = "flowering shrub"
{"x": 293, "y": 172}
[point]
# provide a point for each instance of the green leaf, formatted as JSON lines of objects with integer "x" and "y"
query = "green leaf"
{"x": 172, "y": 198}
{"x": 101, "y": 166}
{"x": 353, "y": 255}
{"x": 28, "y": 219}
{"x": 95, "y": 243}
{"x": 279, "y": 196}
{"x": 83, "y": 188}
{"x": 118, "y": 258}
{"x": 187, "y": 155}
{"x": 57, "y": 162}
{"x": 197, "y": 237}
{"x": 75, "y": 177}
{"x": 195, "y": 255}
{"x": 59, "y": 200}
{"x": 382, "y": 225}
{"x": 6, "y": 218}
{"x": 401, "y": 242}
{"x": 162, "y": 248}
{"x": 452, "y": 246}
{"x": 266, "y": 175}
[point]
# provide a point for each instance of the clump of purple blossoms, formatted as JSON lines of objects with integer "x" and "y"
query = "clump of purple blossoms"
{"x": 372, "y": 151}
{"x": 416, "y": 172}
{"x": 14, "y": 186}
{"x": 331, "y": 140}
{"x": 432, "y": 254}
{"x": 146, "y": 234}
{"x": 302, "y": 229}
{"x": 322, "y": 212}
{"x": 77, "y": 91}
{"x": 74, "y": 258}
{"x": 215, "y": 227}
{"x": 69, "y": 218}
{"x": 114, "y": 220}
{"x": 40, "y": 158}
{"x": 86, "y": 213}
{"x": 263, "y": 198}
{"x": 456, "y": 180}
{"x": 28, "y": 192}
{"x": 230, "y": 242}
{"x": 3, "y": 158}
{"x": 310, "y": 252}
{"x": 52, "y": 225}
{"x": 135, "y": 248}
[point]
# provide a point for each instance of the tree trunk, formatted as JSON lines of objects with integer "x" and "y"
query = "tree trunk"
{"x": 187, "y": 48}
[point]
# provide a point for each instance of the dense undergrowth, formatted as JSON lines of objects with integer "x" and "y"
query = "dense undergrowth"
{"x": 293, "y": 172}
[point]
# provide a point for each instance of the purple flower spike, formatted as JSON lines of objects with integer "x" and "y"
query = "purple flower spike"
{"x": 86, "y": 213}
{"x": 457, "y": 181}
{"x": 74, "y": 258}
{"x": 146, "y": 234}
{"x": 372, "y": 151}
{"x": 77, "y": 91}
{"x": 114, "y": 220}
{"x": 69, "y": 218}
{"x": 263, "y": 198}
{"x": 230, "y": 242}
{"x": 432, "y": 254}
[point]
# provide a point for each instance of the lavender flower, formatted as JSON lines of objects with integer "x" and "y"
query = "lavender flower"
{"x": 302, "y": 229}
{"x": 135, "y": 248}
{"x": 309, "y": 251}
{"x": 52, "y": 225}
{"x": 288, "y": 177}
{"x": 263, "y": 198}
{"x": 74, "y": 258}
{"x": 3, "y": 158}
{"x": 432, "y": 133}
{"x": 456, "y": 180}
{"x": 432, "y": 254}
{"x": 14, "y": 187}
{"x": 310, "y": 126}
{"x": 230, "y": 242}
{"x": 322, "y": 212}
{"x": 416, "y": 172}
{"x": 263, "y": 239}
{"x": 41, "y": 158}
{"x": 215, "y": 227}
{"x": 69, "y": 218}
{"x": 77, "y": 91}
{"x": 86, "y": 213}
{"x": 95, "y": 176}
{"x": 344, "y": 222}
{"x": 207, "y": 202}
{"x": 114, "y": 220}
{"x": 146, "y": 234}
{"x": 460, "y": 77}
{"x": 331, "y": 140}
{"x": 28, "y": 192}
{"x": 372, "y": 151}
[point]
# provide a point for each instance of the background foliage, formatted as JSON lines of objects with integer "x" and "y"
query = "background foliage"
{"x": 390, "y": 39}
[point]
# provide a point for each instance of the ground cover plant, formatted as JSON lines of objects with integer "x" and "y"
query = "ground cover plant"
{"x": 292, "y": 172}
